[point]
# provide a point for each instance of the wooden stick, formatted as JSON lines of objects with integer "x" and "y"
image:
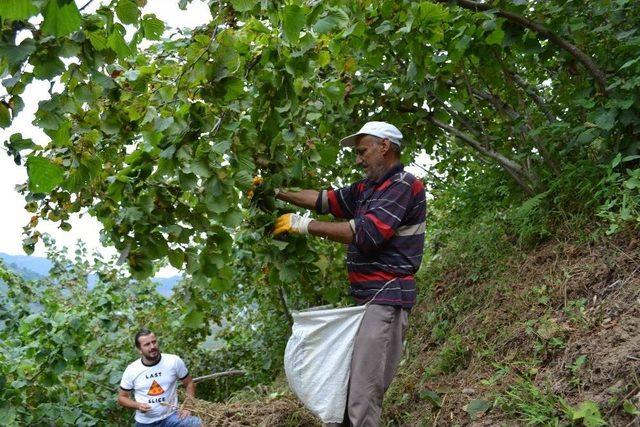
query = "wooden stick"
{"x": 218, "y": 374}
{"x": 435, "y": 422}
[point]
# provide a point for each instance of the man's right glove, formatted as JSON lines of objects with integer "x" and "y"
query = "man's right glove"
{"x": 292, "y": 223}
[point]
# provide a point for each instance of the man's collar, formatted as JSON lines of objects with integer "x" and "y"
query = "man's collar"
{"x": 152, "y": 364}
{"x": 398, "y": 167}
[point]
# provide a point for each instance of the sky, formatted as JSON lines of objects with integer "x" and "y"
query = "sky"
{"x": 13, "y": 217}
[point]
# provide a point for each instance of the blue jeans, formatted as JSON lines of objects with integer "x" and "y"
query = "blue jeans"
{"x": 174, "y": 420}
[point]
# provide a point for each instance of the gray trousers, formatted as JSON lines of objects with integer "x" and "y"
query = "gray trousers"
{"x": 376, "y": 353}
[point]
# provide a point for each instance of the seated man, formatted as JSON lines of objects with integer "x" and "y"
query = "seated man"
{"x": 153, "y": 380}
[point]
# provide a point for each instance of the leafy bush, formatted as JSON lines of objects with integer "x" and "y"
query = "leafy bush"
{"x": 64, "y": 346}
{"x": 619, "y": 191}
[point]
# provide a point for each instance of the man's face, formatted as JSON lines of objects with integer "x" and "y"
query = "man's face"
{"x": 149, "y": 347}
{"x": 370, "y": 152}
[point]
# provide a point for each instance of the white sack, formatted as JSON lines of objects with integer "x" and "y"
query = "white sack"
{"x": 317, "y": 360}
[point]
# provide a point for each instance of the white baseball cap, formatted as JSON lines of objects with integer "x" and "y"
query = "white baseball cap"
{"x": 379, "y": 129}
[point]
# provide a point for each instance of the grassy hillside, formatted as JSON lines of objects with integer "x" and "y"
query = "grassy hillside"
{"x": 504, "y": 336}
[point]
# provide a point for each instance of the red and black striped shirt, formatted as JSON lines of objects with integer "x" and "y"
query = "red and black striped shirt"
{"x": 388, "y": 220}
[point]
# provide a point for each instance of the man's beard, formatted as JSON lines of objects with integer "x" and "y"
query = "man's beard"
{"x": 153, "y": 357}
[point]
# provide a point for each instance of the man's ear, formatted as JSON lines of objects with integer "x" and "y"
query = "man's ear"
{"x": 386, "y": 145}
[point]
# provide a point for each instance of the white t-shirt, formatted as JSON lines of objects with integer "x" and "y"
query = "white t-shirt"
{"x": 156, "y": 385}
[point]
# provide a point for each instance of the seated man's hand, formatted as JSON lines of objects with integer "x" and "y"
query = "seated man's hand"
{"x": 184, "y": 413}
{"x": 143, "y": 407}
{"x": 292, "y": 223}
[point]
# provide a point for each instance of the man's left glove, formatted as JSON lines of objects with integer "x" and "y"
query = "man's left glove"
{"x": 292, "y": 223}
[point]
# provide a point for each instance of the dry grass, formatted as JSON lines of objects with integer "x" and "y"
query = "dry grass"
{"x": 278, "y": 411}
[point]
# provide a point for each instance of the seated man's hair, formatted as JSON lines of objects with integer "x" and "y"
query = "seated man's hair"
{"x": 142, "y": 332}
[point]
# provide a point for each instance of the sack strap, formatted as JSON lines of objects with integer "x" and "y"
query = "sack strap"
{"x": 380, "y": 290}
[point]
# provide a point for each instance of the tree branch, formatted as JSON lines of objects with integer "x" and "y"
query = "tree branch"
{"x": 283, "y": 299}
{"x": 218, "y": 375}
{"x": 478, "y": 146}
{"x": 580, "y": 56}
{"x": 466, "y": 123}
{"x": 537, "y": 99}
{"x": 85, "y": 6}
{"x": 517, "y": 172}
{"x": 496, "y": 102}
{"x": 519, "y": 85}
{"x": 502, "y": 106}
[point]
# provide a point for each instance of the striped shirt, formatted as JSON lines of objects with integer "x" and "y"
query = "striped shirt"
{"x": 388, "y": 222}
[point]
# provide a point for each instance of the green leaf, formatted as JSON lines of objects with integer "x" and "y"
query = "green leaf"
{"x": 234, "y": 88}
{"x": 616, "y": 160}
{"x": 245, "y": 162}
{"x": 324, "y": 58}
{"x": 217, "y": 204}
{"x": 14, "y": 55}
{"x": 162, "y": 123}
{"x": 289, "y": 273}
{"x": 477, "y": 408}
{"x": 47, "y": 67}
{"x": 232, "y": 218}
{"x": 18, "y": 143}
{"x": 293, "y": 21}
{"x": 194, "y": 319}
{"x": 243, "y": 179}
{"x": 17, "y": 9}
{"x": 98, "y": 40}
{"x": 606, "y": 119}
{"x": 632, "y": 183}
{"x": 127, "y": 11}
{"x": 61, "y": 17}
{"x": 334, "y": 18}
{"x": 432, "y": 12}
{"x": 629, "y": 63}
{"x": 589, "y": 413}
{"x": 60, "y": 136}
{"x": 153, "y": 27}
{"x": 176, "y": 258}
{"x": 495, "y": 37}
{"x": 118, "y": 44}
{"x": 44, "y": 175}
{"x": 200, "y": 168}
{"x": 630, "y": 408}
{"x": 243, "y": 5}
{"x": 432, "y": 397}
{"x": 5, "y": 116}
{"x": 587, "y": 136}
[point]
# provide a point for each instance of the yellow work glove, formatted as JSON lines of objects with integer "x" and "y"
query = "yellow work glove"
{"x": 292, "y": 223}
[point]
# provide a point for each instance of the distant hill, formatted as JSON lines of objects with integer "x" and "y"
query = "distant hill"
{"x": 33, "y": 267}
{"x": 29, "y": 267}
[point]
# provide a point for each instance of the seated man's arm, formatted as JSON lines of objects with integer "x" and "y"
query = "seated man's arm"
{"x": 190, "y": 391}
{"x": 124, "y": 399}
{"x": 189, "y": 386}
